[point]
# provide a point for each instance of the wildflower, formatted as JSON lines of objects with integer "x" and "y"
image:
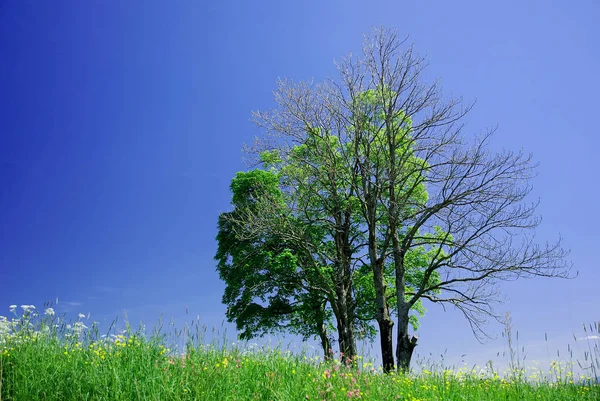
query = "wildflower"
{"x": 12, "y": 308}
{"x": 81, "y": 316}
{"x": 27, "y": 308}
{"x": 78, "y": 327}
{"x": 5, "y": 328}
{"x": 49, "y": 312}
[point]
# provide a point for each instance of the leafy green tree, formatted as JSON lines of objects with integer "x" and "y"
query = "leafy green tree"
{"x": 269, "y": 286}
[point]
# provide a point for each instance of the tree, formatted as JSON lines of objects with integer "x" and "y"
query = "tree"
{"x": 268, "y": 286}
{"x": 386, "y": 165}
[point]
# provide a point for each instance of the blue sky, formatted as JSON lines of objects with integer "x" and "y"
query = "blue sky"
{"x": 122, "y": 125}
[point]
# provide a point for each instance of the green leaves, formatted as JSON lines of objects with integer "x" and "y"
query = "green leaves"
{"x": 250, "y": 187}
{"x": 269, "y": 287}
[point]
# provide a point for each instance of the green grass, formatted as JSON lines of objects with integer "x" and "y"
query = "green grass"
{"x": 42, "y": 358}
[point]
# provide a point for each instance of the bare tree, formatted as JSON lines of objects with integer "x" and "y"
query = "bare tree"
{"x": 476, "y": 216}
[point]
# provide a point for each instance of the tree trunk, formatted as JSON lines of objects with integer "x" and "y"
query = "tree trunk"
{"x": 387, "y": 349}
{"x": 322, "y": 330}
{"x": 383, "y": 311}
{"x": 350, "y": 353}
{"x": 344, "y": 288}
{"x": 406, "y": 344}
{"x": 383, "y": 316}
{"x": 345, "y": 323}
{"x": 325, "y": 342}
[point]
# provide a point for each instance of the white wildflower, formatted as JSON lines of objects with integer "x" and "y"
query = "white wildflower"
{"x": 81, "y": 315}
{"x": 12, "y": 308}
{"x": 78, "y": 327}
{"x": 27, "y": 308}
{"x": 4, "y": 327}
{"x": 49, "y": 312}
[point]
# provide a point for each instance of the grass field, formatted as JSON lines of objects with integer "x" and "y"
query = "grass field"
{"x": 43, "y": 358}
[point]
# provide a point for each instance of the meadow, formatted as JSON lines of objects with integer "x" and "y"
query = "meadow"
{"x": 42, "y": 357}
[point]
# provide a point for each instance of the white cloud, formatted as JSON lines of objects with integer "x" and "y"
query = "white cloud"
{"x": 589, "y": 338}
{"x": 67, "y": 306}
{"x": 70, "y": 303}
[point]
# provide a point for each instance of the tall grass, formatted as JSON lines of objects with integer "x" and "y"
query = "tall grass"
{"x": 591, "y": 356}
{"x": 44, "y": 358}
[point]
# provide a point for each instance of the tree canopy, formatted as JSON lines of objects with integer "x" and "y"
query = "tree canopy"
{"x": 367, "y": 200}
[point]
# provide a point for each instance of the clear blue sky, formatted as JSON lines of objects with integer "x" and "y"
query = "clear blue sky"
{"x": 122, "y": 124}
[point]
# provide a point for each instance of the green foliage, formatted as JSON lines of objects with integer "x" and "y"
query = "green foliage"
{"x": 379, "y": 138}
{"x": 267, "y": 283}
{"x": 270, "y": 157}
{"x": 250, "y": 187}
